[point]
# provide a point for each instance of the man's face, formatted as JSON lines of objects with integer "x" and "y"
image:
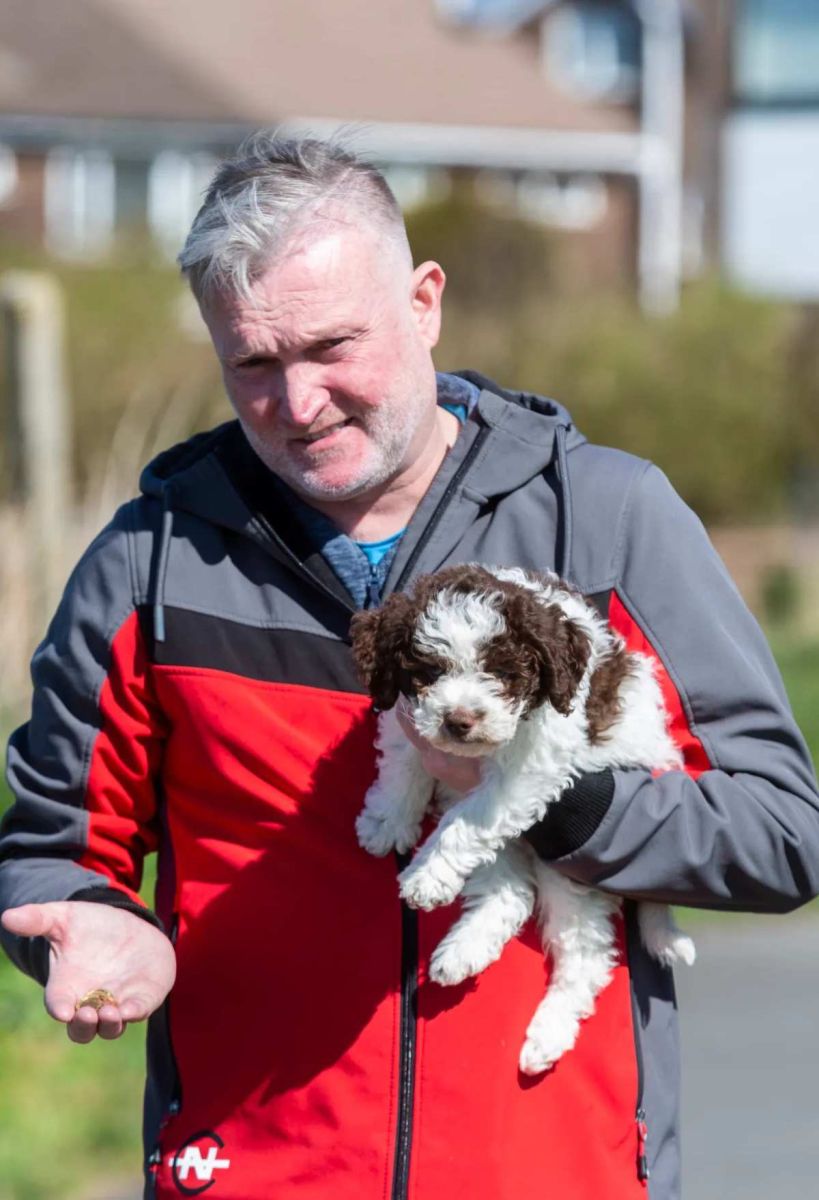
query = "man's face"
{"x": 328, "y": 363}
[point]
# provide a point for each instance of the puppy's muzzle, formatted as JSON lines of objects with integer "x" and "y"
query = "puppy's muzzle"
{"x": 459, "y": 723}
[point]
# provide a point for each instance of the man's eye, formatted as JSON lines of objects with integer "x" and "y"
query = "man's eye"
{"x": 330, "y": 344}
{"x": 248, "y": 364}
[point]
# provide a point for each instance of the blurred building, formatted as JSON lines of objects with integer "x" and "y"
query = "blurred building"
{"x": 658, "y": 136}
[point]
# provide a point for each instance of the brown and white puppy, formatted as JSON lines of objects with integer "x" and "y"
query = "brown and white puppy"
{"x": 518, "y": 670}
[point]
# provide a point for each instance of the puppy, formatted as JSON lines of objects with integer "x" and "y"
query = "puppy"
{"x": 517, "y": 670}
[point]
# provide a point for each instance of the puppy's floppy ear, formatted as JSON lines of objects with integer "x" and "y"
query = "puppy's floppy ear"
{"x": 381, "y": 638}
{"x": 567, "y": 655}
{"x": 560, "y": 648}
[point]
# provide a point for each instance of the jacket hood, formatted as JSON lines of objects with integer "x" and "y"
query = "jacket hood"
{"x": 522, "y": 433}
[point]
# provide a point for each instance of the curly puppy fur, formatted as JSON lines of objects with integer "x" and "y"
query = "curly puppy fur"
{"x": 517, "y": 670}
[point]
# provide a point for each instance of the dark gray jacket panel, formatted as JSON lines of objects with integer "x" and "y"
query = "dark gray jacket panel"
{"x": 44, "y": 834}
{"x": 744, "y": 834}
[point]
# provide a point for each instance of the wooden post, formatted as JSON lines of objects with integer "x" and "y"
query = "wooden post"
{"x": 38, "y": 422}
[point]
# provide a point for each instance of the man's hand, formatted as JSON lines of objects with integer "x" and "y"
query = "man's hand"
{"x": 459, "y": 773}
{"x": 96, "y": 946}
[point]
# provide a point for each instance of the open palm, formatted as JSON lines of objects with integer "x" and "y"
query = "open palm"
{"x": 97, "y": 946}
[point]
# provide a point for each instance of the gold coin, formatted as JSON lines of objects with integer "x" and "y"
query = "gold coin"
{"x": 95, "y": 999}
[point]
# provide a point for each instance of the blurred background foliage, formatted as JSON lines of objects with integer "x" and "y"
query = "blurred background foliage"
{"x": 724, "y": 395}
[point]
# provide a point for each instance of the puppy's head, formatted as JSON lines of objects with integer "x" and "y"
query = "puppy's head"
{"x": 472, "y": 654}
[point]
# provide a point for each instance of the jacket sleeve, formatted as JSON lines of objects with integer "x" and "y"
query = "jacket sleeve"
{"x": 82, "y": 769}
{"x": 739, "y": 829}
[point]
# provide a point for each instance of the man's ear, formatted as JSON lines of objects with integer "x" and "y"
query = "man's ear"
{"x": 381, "y": 638}
{"x": 428, "y": 282}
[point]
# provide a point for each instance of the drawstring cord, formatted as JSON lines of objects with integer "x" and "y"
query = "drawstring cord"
{"x": 566, "y": 504}
{"x": 162, "y": 565}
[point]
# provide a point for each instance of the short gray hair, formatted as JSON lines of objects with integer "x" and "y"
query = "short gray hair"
{"x": 271, "y": 186}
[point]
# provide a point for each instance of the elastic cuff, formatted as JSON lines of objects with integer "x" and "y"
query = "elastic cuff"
{"x": 572, "y": 819}
{"x": 117, "y": 899}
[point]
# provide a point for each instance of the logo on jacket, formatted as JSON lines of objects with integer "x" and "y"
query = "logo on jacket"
{"x": 195, "y": 1161}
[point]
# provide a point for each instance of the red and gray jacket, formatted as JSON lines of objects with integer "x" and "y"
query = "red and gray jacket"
{"x": 194, "y": 695}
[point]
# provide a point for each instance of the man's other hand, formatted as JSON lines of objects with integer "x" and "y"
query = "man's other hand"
{"x": 96, "y": 946}
{"x": 459, "y": 773}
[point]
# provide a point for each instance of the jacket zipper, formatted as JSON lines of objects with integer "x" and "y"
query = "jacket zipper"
{"x": 432, "y": 524}
{"x": 407, "y": 1045}
{"x": 640, "y": 1113}
{"x": 409, "y": 918}
{"x": 174, "y": 1107}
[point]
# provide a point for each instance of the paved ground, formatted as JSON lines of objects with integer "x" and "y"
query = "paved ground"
{"x": 750, "y": 1030}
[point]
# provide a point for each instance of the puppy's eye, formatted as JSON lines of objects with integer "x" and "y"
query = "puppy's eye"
{"x": 426, "y": 675}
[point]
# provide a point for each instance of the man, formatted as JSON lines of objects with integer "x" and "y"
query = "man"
{"x": 195, "y": 694}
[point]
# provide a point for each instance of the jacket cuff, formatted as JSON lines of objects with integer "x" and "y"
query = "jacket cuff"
{"x": 571, "y": 820}
{"x": 117, "y": 899}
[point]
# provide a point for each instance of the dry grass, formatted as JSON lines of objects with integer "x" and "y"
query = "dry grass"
{"x": 146, "y": 425}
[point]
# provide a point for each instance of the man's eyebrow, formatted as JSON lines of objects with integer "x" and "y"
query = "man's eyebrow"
{"x": 245, "y": 353}
{"x": 240, "y": 354}
{"x": 333, "y": 334}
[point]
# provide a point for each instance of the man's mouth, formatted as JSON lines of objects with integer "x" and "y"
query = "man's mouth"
{"x": 318, "y": 434}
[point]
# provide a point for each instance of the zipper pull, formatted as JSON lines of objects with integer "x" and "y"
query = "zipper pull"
{"x": 154, "y": 1161}
{"x": 642, "y": 1138}
{"x": 373, "y": 590}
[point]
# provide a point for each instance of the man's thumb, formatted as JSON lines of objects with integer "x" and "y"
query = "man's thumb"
{"x": 32, "y": 920}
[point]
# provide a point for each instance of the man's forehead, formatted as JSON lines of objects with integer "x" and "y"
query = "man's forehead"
{"x": 312, "y": 287}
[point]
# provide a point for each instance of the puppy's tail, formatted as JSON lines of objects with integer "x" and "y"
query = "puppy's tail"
{"x": 661, "y": 937}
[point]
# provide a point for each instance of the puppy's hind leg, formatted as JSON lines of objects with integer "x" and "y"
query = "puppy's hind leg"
{"x": 578, "y": 935}
{"x": 661, "y": 936}
{"x": 498, "y": 900}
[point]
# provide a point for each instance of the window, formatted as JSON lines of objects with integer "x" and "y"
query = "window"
{"x": 570, "y": 202}
{"x": 131, "y": 195}
{"x": 79, "y": 201}
{"x": 8, "y": 174}
{"x": 593, "y": 49}
{"x": 776, "y": 51}
{"x": 413, "y": 186}
{"x": 176, "y": 187}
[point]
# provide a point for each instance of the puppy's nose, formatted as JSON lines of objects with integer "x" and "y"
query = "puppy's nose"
{"x": 459, "y": 722}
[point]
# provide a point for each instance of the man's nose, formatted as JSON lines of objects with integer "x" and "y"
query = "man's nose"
{"x": 302, "y": 394}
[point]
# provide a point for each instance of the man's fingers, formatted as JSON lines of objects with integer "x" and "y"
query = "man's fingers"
{"x": 32, "y": 920}
{"x": 60, "y": 1004}
{"x": 111, "y": 1024}
{"x": 136, "y": 1008}
{"x": 82, "y": 1028}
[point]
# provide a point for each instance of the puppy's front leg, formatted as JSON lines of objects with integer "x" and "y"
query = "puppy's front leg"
{"x": 470, "y": 834}
{"x": 498, "y": 900}
{"x": 394, "y": 806}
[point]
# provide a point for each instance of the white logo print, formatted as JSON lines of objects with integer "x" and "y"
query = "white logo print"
{"x": 193, "y": 1170}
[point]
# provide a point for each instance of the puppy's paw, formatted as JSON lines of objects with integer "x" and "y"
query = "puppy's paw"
{"x": 378, "y": 834}
{"x": 453, "y": 961}
{"x": 541, "y": 1053}
{"x": 429, "y": 885}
